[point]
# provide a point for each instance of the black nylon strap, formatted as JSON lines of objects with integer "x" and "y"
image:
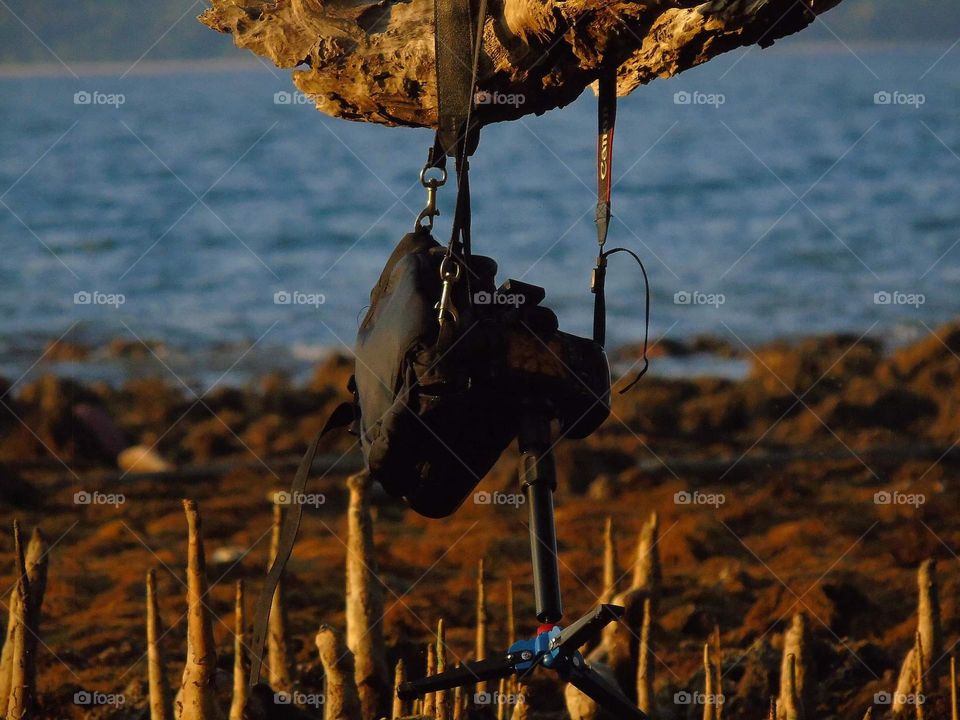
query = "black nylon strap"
{"x": 456, "y": 76}
{"x": 606, "y": 121}
{"x": 342, "y": 416}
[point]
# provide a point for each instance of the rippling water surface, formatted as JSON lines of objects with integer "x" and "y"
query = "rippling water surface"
{"x": 785, "y": 209}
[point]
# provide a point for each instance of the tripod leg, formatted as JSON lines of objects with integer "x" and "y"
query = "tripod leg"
{"x": 467, "y": 674}
{"x": 539, "y": 480}
{"x": 594, "y": 686}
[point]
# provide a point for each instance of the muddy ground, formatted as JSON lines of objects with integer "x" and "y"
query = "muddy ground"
{"x": 818, "y": 483}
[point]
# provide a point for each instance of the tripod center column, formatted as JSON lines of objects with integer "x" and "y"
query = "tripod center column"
{"x": 538, "y": 478}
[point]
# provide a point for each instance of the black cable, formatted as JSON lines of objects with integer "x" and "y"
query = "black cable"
{"x": 646, "y": 329}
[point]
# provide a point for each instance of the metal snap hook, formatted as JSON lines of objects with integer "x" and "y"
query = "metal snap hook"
{"x": 431, "y": 184}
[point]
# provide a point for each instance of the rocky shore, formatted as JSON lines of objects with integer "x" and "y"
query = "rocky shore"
{"x": 818, "y": 483}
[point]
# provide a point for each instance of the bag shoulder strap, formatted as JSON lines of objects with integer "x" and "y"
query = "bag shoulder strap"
{"x": 456, "y": 60}
{"x": 342, "y": 416}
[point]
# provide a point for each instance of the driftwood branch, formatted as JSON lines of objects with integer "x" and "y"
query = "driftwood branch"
{"x": 373, "y": 60}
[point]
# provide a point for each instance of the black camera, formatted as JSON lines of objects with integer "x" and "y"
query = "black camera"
{"x": 567, "y": 375}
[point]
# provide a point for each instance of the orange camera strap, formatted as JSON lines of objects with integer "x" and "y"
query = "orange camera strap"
{"x": 607, "y": 118}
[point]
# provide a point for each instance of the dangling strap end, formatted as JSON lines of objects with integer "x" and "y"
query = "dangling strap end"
{"x": 597, "y": 285}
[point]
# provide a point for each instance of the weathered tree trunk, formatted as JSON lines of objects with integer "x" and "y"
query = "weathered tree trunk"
{"x": 373, "y": 60}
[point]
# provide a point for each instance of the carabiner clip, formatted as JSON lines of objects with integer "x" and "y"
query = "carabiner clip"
{"x": 449, "y": 276}
{"x": 431, "y": 210}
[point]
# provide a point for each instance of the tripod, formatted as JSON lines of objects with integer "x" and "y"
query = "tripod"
{"x": 552, "y": 647}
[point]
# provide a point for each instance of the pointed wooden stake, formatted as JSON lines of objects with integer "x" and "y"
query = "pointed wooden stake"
{"x": 788, "y": 706}
{"x": 480, "y": 650}
{"x": 919, "y": 698}
{"x": 718, "y": 669}
{"x": 522, "y": 709}
{"x": 645, "y": 671}
{"x": 928, "y": 617}
{"x": 430, "y": 699}
{"x": 399, "y": 678}
{"x": 443, "y": 696}
{"x": 953, "y": 688}
{"x": 160, "y": 707}
{"x": 23, "y": 668}
{"x": 646, "y": 569}
{"x": 797, "y": 643}
{"x": 197, "y": 698}
{"x": 906, "y": 681}
{"x": 240, "y": 665}
{"x": 36, "y": 568}
{"x": 458, "y": 703}
{"x": 511, "y": 619}
{"x": 278, "y": 655}
{"x": 37, "y": 565}
{"x": 709, "y": 704}
{"x": 609, "y": 562}
{"x": 341, "y": 701}
{"x": 365, "y": 602}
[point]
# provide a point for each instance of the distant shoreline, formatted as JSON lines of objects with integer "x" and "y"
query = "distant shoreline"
{"x": 248, "y": 62}
{"x": 121, "y": 67}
